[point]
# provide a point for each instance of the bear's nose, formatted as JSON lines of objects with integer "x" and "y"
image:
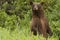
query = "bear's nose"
{"x": 35, "y": 8}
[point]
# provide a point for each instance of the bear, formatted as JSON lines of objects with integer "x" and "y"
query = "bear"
{"x": 39, "y": 23}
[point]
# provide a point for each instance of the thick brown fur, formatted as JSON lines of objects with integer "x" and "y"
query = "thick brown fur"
{"x": 39, "y": 23}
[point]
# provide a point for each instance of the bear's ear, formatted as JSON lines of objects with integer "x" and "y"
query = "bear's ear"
{"x": 31, "y": 2}
{"x": 42, "y": 3}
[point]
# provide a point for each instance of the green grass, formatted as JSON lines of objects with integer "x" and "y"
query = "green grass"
{"x": 23, "y": 34}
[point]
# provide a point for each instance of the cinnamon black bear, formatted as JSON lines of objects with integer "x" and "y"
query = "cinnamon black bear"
{"x": 39, "y": 23}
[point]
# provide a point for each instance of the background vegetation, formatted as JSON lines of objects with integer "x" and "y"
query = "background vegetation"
{"x": 15, "y": 17}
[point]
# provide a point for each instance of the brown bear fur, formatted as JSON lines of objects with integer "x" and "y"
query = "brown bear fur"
{"x": 39, "y": 22}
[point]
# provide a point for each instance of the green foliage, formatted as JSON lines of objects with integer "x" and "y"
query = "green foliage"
{"x": 17, "y": 25}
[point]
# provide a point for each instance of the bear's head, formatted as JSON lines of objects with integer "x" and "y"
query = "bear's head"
{"x": 36, "y": 6}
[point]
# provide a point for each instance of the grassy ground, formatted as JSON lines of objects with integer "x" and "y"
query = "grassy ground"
{"x": 21, "y": 35}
